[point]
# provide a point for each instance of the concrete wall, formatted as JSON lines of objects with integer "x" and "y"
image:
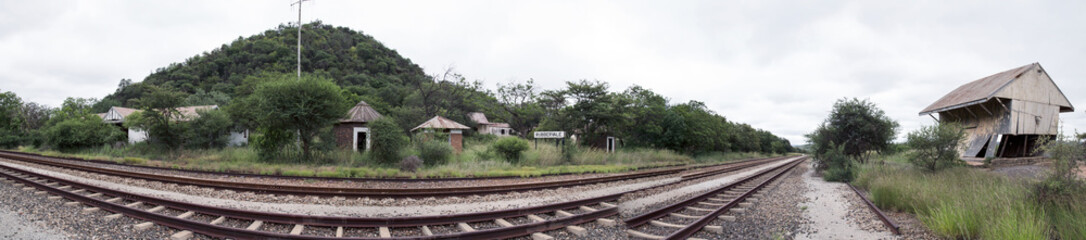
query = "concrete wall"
{"x": 136, "y": 135}
{"x": 238, "y": 138}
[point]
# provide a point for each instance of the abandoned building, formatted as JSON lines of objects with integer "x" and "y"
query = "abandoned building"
{"x": 484, "y": 126}
{"x": 1004, "y": 114}
{"x": 117, "y": 115}
{"x": 352, "y": 132}
{"x": 442, "y": 124}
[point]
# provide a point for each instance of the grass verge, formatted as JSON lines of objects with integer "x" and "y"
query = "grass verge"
{"x": 967, "y": 203}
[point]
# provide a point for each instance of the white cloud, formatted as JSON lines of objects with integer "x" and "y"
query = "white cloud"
{"x": 777, "y": 65}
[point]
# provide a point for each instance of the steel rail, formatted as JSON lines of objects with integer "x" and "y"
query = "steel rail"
{"x": 893, "y": 227}
{"x": 361, "y": 192}
{"x": 685, "y": 232}
{"x": 308, "y": 220}
{"x": 677, "y": 167}
{"x": 692, "y": 228}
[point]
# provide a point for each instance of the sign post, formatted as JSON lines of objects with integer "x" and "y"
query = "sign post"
{"x": 556, "y": 135}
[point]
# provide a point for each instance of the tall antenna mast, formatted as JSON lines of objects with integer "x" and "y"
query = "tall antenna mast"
{"x": 299, "y": 3}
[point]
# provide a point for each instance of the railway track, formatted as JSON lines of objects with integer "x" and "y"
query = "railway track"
{"x": 220, "y": 222}
{"x": 241, "y": 224}
{"x": 290, "y": 177}
{"x": 683, "y": 219}
{"x": 299, "y": 190}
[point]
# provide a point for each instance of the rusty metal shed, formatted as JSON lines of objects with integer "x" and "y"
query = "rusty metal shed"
{"x": 1003, "y": 114}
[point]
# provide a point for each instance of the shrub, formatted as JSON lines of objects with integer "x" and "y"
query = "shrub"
{"x": 935, "y": 147}
{"x": 84, "y": 132}
{"x": 510, "y": 148}
{"x": 134, "y": 161}
{"x": 837, "y": 166}
{"x": 386, "y": 141}
{"x": 434, "y": 152}
{"x": 410, "y": 164}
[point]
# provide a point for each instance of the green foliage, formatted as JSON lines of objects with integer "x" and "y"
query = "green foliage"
{"x": 10, "y": 121}
{"x": 164, "y": 124}
{"x": 434, "y": 152}
{"x": 965, "y": 203}
{"x": 858, "y": 126}
{"x": 303, "y": 106}
{"x": 510, "y": 148}
{"x": 935, "y": 147}
{"x": 1067, "y": 153}
{"x": 837, "y": 166}
{"x": 78, "y": 133}
{"x": 201, "y": 98}
{"x": 386, "y": 140}
{"x": 210, "y": 130}
{"x": 134, "y": 161}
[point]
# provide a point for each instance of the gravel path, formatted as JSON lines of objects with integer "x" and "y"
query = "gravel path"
{"x": 363, "y": 207}
{"x": 1032, "y": 172}
{"x": 835, "y": 212}
{"x": 24, "y": 215}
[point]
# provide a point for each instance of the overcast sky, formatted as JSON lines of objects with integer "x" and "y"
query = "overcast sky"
{"x": 777, "y": 65}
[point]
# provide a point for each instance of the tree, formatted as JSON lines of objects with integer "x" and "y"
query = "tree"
{"x": 10, "y": 122}
{"x": 520, "y": 103}
{"x": 201, "y": 98}
{"x": 935, "y": 147}
{"x": 387, "y": 140}
{"x": 160, "y": 117}
{"x": 210, "y": 129}
{"x": 303, "y": 106}
{"x": 74, "y": 127}
{"x": 857, "y": 126}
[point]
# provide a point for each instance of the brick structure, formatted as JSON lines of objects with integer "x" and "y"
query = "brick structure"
{"x": 353, "y": 132}
{"x": 456, "y": 139}
{"x": 454, "y": 129}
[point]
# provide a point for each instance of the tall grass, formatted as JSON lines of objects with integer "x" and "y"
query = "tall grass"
{"x": 966, "y": 203}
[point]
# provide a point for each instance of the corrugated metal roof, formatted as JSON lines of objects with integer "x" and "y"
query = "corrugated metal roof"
{"x": 360, "y": 113}
{"x": 440, "y": 122}
{"x": 124, "y": 112}
{"x": 478, "y": 117}
{"x": 977, "y": 91}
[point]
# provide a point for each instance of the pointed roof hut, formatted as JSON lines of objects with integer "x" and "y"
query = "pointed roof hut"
{"x": 439, "y": 122}
{"x": 352, "y": 130}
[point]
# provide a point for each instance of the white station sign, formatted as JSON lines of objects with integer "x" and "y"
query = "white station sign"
{"x": 550, "y": 134}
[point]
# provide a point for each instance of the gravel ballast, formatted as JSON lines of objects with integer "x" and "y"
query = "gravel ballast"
{"x": 27, "y": 216}
{"x": 357, "y": 207}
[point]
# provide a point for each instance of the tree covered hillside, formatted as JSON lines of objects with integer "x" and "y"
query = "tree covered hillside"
{"x": 363, "y": 66}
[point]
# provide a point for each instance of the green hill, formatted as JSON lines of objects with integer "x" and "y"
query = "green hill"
{"x": 363, "y": 66}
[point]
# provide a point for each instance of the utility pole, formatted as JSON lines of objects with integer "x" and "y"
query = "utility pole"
{"x": 299, "y": 3}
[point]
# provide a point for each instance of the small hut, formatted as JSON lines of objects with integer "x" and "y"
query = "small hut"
{"x": 1005, "y": 113}
{"x": 484, "y": 126}
{"x": 454, "y": 129}
{"x": 353, "y": 132}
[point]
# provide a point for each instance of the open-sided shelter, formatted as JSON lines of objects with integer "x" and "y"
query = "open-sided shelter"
{"x": 352, "y": 131}
{"x": 453, "y": 128}
{"x": 1005, "y": 113}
